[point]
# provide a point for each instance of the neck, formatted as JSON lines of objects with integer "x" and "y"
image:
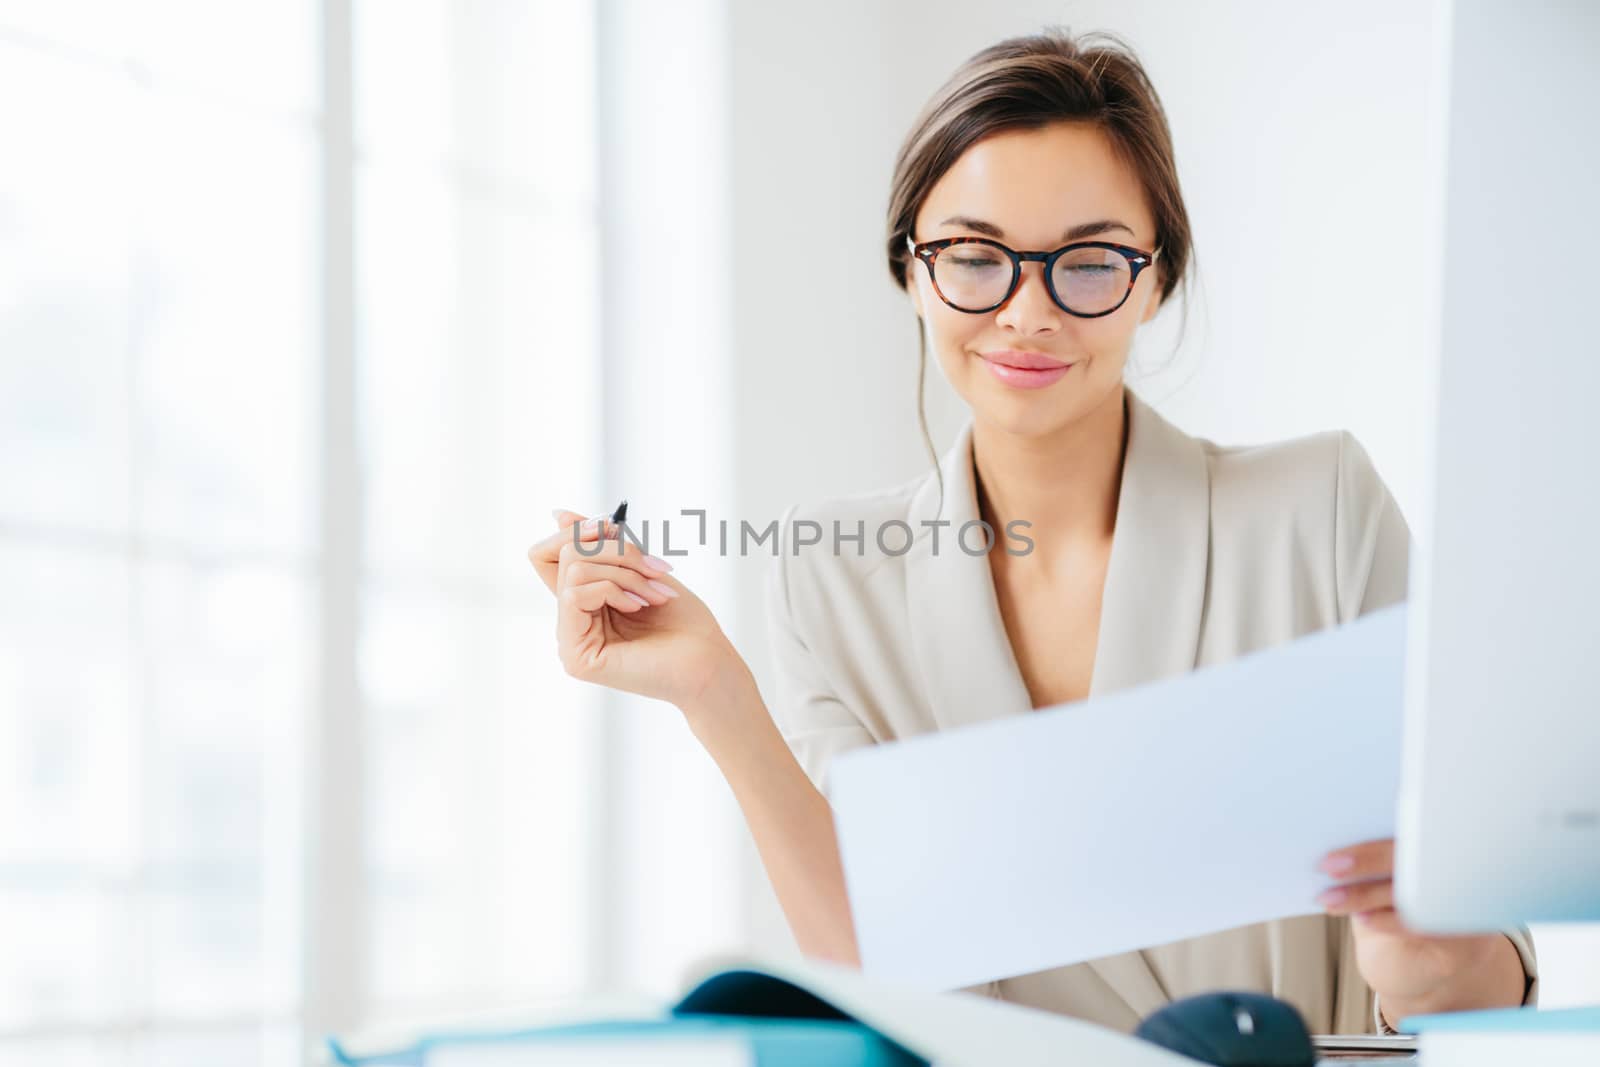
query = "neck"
{"x": 1064, "y": 483}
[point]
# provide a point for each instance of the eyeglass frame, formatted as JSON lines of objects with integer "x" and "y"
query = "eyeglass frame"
{"x": 1138, "y": 259}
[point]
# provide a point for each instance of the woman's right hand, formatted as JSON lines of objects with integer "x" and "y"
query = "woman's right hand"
{"x": 622, "y": 621}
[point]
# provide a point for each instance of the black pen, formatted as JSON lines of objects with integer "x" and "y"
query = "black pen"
{"x": 620, "y": 514}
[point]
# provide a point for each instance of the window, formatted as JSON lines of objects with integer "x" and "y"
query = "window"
{"x": 171, "y": 419}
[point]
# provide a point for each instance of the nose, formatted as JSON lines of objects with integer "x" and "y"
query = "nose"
{"x": 1030, "y": 309}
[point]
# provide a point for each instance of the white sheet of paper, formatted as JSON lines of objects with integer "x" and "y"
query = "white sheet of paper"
{"x": 1154, "y": 814}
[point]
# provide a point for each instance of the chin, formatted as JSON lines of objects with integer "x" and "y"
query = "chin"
{"x": 1035, "y": 413}
{"x": 1025, "y": 414}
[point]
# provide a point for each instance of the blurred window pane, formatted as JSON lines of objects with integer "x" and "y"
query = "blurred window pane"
{"x": 477, "y": 850}
{"x": 65, "y": 248}
{"x": 503, "y": 91}
{"x": 161, "y": 415}
{"x": 67, "y": 735}
{"x": 159, "y": 408}
{"x": 230, "y": 658}
{"x": 479, "y": 393}
{"x": 69, "y": 956}
{"x": 258, "y": 54}
{"x": 478, "y": 383}
{"x": 227, "y": 346}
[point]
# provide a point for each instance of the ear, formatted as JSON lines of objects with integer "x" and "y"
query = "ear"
{"x": 913, "y": 290}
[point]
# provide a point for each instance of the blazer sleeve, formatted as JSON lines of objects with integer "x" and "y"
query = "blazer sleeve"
{"x": 1372, "y": 546}
{"x": 1371, "y": 541}
{"x": 815, "y": 722}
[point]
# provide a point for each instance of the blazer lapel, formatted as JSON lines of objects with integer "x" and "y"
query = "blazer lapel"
{"x": 1153, "y": 603}
{"x": 1150, "y": 614}
{"x": 1155, "y": 591}
{"x": 956, "y": 628}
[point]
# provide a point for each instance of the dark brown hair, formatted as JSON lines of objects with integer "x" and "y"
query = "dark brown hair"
{"x": 1024, "y": 83}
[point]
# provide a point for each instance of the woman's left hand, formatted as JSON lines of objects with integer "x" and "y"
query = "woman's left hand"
{"x": 1402, "y": 966}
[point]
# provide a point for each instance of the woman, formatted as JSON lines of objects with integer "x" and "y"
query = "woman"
{"x": 1148, "y": 552}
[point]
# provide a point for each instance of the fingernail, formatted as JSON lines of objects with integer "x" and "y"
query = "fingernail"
{"x": 591, "y": 525}
{"x": 642, "y": 601}
{"x": 1338, "y": 863}
{"x": 657, "y": 564}
{"x": 555, "y": 513}
{"x": 663, "y": 588}
{"x": 1330, "y": 897}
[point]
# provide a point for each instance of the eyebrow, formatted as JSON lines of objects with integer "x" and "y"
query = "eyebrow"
{"x": 1086, "y": 229}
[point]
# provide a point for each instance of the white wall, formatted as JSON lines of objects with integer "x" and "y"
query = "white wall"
{"x": 1302, "y": 139}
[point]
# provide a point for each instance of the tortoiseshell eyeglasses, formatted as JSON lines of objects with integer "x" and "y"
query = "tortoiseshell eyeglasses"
{"x": 1087, "y": 279}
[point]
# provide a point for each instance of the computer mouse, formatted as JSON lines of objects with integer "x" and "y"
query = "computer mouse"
{"x": 1233, "y": 1030}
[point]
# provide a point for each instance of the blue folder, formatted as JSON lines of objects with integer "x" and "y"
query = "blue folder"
{"x": 781, "y": 1024}
{"x": 1507, "y": 1020}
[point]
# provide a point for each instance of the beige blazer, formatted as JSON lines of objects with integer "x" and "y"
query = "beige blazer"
{"x": 1217, "y": 552}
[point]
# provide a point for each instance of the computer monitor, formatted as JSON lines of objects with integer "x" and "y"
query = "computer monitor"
{"x": 1499, "y": 819}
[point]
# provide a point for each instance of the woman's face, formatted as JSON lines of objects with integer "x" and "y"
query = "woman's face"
{"x": 1030, "y": 188}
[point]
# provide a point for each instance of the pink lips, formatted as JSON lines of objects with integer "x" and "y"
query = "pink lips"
{"x": 1025, "y": 370}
